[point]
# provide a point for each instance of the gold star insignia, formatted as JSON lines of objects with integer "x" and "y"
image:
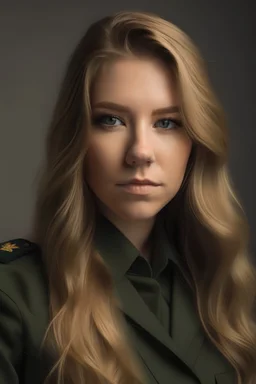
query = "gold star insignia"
{"x": 8, "y": 247}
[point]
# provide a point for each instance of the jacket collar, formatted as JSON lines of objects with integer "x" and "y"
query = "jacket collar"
{"x": 119, "y": 253}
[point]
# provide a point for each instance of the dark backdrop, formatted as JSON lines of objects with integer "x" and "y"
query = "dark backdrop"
{"x": 36, "y": 39}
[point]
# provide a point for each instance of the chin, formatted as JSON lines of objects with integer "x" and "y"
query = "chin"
{"x": 137, "y": 212}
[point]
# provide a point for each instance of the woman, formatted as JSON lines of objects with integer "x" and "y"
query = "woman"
{"x": 138, "y": 271}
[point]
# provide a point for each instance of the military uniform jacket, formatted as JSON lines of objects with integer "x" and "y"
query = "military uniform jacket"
{"x": 184, "y": 356}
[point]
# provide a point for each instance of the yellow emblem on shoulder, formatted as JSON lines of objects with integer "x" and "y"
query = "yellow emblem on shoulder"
{"x": 14, "y": 249}
{"x": 8, "y": 247}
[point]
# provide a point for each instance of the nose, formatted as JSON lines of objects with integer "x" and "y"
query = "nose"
{"x": 140, "y": 151}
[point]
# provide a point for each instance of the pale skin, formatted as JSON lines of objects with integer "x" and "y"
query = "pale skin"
{"x": 135, "y": 142}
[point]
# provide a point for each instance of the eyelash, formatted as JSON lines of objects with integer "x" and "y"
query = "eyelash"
{"x": 97, "y": 120}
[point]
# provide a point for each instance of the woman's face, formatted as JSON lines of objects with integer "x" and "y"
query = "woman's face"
{"x": 134, "y": 136}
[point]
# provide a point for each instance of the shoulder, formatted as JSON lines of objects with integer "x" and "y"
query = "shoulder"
{"x": 23, "y": 305}
{"x": 19, "y": 254}
{"x": 12, "y": 250}
{"x": 22, "y": 273}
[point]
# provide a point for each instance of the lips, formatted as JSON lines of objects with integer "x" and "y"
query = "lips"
{"x": 140, "y": 182}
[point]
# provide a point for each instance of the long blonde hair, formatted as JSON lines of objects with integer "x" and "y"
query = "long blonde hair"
{"x": 87, "y": 329}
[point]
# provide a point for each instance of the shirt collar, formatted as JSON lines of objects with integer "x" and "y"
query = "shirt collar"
{"x": 119, "y": 253}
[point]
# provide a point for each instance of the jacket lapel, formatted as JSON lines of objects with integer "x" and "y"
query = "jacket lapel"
{"x": 187, "y": 339}
{"x": 137, "y": 312}
{"x": 187, "y": 331}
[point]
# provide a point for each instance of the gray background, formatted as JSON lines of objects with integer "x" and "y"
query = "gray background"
{"x": 36, "y": 39}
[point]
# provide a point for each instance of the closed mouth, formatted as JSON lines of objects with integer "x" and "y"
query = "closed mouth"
{"x": 140, "y": 182}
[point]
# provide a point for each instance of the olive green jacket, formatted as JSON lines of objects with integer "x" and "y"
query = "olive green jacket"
{"x": 24, "y": 318}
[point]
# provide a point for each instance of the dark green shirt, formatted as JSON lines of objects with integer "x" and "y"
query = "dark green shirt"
{"x": 156, "y": 301}
{"x": 151, "y": 280}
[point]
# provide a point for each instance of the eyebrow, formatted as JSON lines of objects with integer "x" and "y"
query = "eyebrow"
{"x": 122, "y": 108}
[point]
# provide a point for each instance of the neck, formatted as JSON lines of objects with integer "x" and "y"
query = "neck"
{"x": 137, "y": 232}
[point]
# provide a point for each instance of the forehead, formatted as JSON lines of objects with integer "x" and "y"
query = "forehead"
{"x": 135, "y": 82}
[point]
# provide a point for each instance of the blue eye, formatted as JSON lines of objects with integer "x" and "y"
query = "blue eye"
{"x": 170, "y": 123}
{"x": 107, "y": 120}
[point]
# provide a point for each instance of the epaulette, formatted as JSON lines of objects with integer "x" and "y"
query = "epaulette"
{"x": 14, "y": 249}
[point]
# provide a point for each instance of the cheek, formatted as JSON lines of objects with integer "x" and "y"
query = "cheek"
{"x": 101, "y": 161}
{"x": 175, "y": 162}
